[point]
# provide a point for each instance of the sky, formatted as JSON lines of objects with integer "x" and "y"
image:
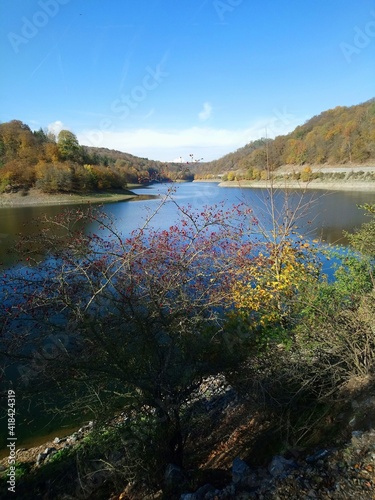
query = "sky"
{"x": 166, "y": 79}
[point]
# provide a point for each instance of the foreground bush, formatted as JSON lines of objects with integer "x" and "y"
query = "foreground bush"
{"x": 128, "y": 328}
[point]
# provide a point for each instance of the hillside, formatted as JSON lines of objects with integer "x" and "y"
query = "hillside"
{"x": 339, "y": 136}
{"x": 212, "y": 365}
{"x": 343, "y": 135}
{"x": 61, "y": 165}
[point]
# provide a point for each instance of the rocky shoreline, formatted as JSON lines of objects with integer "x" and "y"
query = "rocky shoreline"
{"x": 331, "y": 178}
{"x": 314, "y": 184}
{"x": 36, "y": 455}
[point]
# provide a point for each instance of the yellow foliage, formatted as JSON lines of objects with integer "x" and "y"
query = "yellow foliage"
{"x": 306, "y": 174}
{"x": 268, "y": 284}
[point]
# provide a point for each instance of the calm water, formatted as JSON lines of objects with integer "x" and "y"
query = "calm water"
{"x": 327, "y": 215}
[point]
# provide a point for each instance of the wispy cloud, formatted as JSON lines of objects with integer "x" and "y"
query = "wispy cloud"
{"x": 206, "y": 112}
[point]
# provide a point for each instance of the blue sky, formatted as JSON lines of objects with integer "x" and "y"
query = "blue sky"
{"x": 163, "y": 79}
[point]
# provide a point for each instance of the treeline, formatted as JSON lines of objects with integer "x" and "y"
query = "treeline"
{"x": 337, "y": 136}
{"x": 60, "y": 164}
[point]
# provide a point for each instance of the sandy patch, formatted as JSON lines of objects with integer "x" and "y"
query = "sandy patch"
{"x": 34, "y": 197}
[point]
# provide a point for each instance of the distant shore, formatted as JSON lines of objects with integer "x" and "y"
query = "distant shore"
{"x": 339, "y": 185}
{"x": 281, "y": 180}
{"x": 35, "y": 197}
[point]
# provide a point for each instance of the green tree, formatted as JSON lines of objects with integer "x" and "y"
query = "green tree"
{"x": 68, "y": 146}
{"x": 363, "y": 240}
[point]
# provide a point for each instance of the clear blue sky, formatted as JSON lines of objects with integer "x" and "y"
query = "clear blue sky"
{"x": 163, "y": 79}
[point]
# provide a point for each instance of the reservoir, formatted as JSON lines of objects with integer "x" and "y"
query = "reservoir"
{"x": 321, "y": 215}
{"x": 318, "y": 216}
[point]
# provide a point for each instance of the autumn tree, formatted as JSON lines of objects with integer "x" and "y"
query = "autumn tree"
{"x": 340, "y": 135}
{"x": 306, "y": 174}
{"x": 269, "y": 285}
{"x": 55, "y": 178}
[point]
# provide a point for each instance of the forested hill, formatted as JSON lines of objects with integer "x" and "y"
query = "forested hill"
{"x": 337, "y": 136}
{"x": 60, "y": 164}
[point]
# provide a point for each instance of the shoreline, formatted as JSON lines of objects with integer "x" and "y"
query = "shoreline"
{"x": 314, "y": 184}
{"x": 37, "y": 198}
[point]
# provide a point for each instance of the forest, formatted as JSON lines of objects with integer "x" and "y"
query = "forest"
{"x": 60, "y": 164}
{"x": 339, "y": 136}
{"x": 343, "y": 135}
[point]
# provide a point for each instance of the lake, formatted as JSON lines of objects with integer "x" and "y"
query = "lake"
{"x": 327, "y": 214}
{"x": 324, "y": 217}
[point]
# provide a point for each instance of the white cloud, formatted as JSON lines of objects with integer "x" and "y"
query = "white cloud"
{"x": 207, "y": 143}
{"x": 167, "y": 145}
{"x": 206, "y": 112}
{"x": 55, "y": 127}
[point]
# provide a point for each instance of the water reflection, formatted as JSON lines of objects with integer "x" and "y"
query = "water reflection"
{"x": 327, "y": 214}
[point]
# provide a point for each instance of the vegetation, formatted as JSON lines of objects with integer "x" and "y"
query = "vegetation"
{"x": 338, "y": 136}
{"x": 143, "y": 299}
{"x": 343, "y": 135}
{"x": 60, "y": 164}
{"x": 127, "y": 330}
